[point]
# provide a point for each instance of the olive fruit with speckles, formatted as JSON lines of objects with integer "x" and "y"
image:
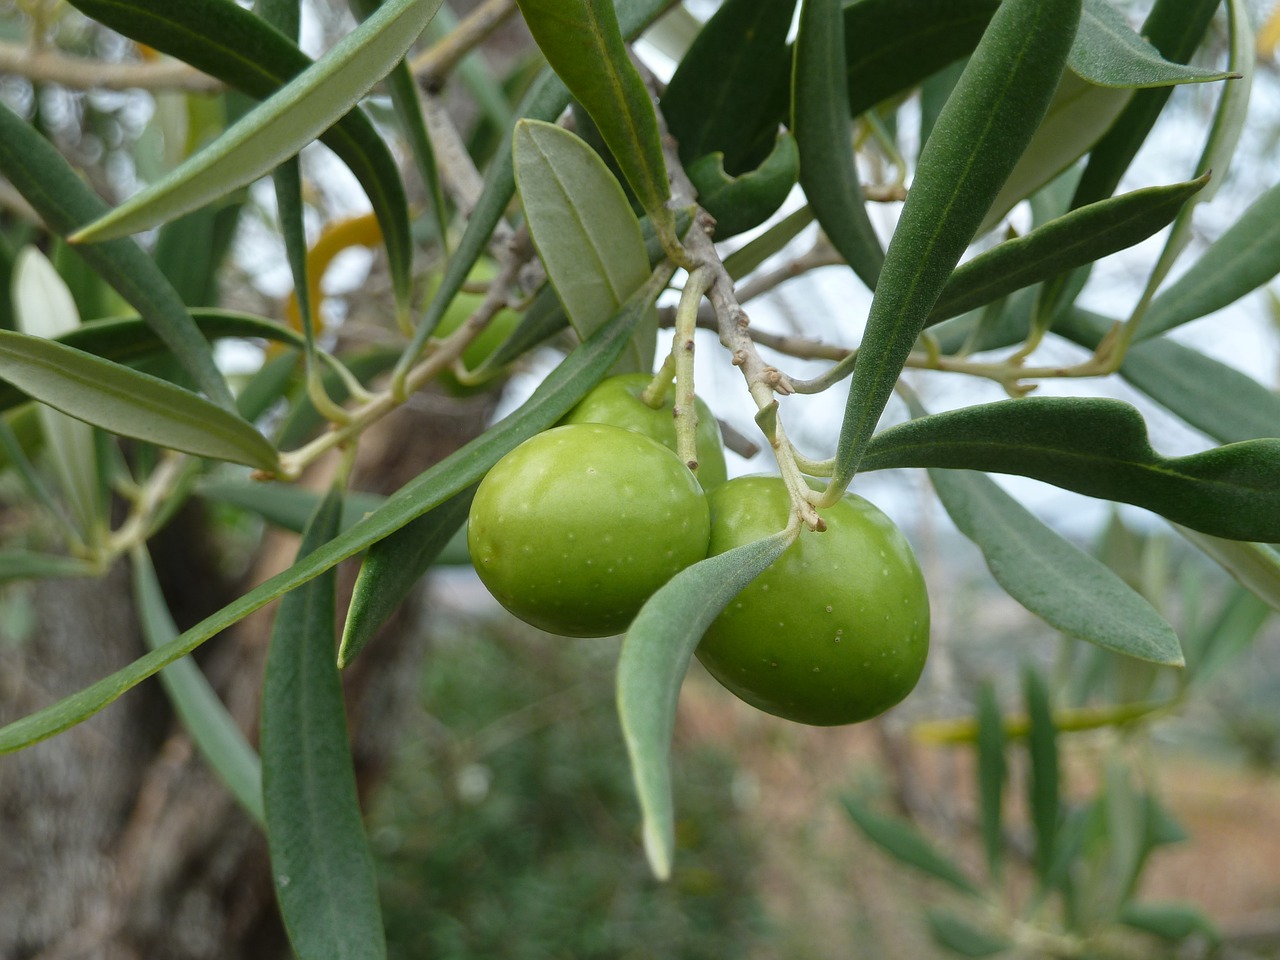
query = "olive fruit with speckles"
{"x": 836, "y": 630}
{"x": 616, "y": 400}
{"x": 576, "y": 528}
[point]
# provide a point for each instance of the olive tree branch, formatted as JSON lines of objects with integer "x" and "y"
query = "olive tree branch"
{"x": 432, "y": 66}
{"x": 444, "y": 355}
{"x": 53, "y": 66}
{"x": 763, "y": 379}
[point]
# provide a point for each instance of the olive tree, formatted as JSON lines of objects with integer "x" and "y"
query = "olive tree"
{"x": 584, "y": 190}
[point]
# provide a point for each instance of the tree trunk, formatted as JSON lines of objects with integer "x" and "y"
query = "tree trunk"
{"x": 117, "y": 840}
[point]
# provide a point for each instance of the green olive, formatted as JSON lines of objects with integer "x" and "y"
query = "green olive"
{"x": 575, "y": 529}
{"x": 836, "y": 630}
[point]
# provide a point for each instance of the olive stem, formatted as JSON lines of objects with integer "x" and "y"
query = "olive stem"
{"x": 685, "y": 410}
{"x": 763, "y": 379}
{"x": 655, "y": 393}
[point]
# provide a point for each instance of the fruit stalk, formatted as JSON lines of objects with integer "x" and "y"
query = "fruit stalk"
{"x": 682, "y": 350}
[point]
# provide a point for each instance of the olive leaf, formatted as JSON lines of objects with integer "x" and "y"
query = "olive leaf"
{"x": 1245, "y": 257}
{"x": 130, "y": 341}
{"x": 1079, "y": 237}
{"x": 1169, "y": 920}
{"x": 1175, "y": 28}
{"x": 1098, "y": 447}
{"x": 986, "y": 124}
{"x": 321, "y": 864}
{"x": 992, "y": 774}
{"x": 562, "y": 388}
{"x": 1052, "y": 577}
{"x": 1108, "y": 53}
{"x": 129, "y": 403}
{"x": 893, "y": 45}
{"x": 1043, "y": 799}
{"x": 26, "y": 565}
{"x": 584, "y": 230}
{"x": 820, "y": 122}
{"x": 655, "y": 655}
{"x": 713, "y": 103}
{"x": 740, "y": 203}
{"x": 961, "y": 936}
{"x": 905, "y": 843}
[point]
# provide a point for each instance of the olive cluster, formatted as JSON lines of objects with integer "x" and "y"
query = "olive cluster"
{"x": 577, "y": 527}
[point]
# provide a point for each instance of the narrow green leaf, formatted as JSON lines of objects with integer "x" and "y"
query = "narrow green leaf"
{"x": 391, "y": 568}
{"x": 992, "y": 774}
{"x": 1255, "y": 565}
{"x": 64, "y": 201}
{"x": 320, "y": 860}
{"x": 286, "y": 505}
{"x": 408, "y": 106}
{"x": 1098, "y": 447}
{"x": 1219, "y": 147}
{"x": 655, "y": 656}
{"x": 983, "y": 129}
{"x": 1079, "y": 237}
{"x": 1169, "y": 920}
{"x": 1077, "y": 118}
{"x": 1238, "y": 262}
{"x": 226, "y": 41}
{"x": 584, "y": 230}
{"x": 713, "y": 103}
{"x": 129, "y": 403}
{"x": 280, "y": 127}
{"x": 1211, "y": 396}
{"x": 1043, "y": 788}
{"x": 746, "y": 201}
{"x": 893, "y": 45}
{"x": 583, "y": 42}
{"x": 130, "y": 341}
{"x": 1175, "y": 28}
{"x": 553, "y": 398}
{"x": 820, "y": 122}
{"x": 905, "y": 843}
{"x": 1053, "y": 578}
{"x": 43, "y": 308}
{"x": 1109, "y": 53}
{"x": 212, "y": 729}
{"x": 26, "y": 565}
{"x": 960, "y": 936}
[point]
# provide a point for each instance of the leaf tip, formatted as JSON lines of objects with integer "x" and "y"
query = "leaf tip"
{"x": 657, "y": 852}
